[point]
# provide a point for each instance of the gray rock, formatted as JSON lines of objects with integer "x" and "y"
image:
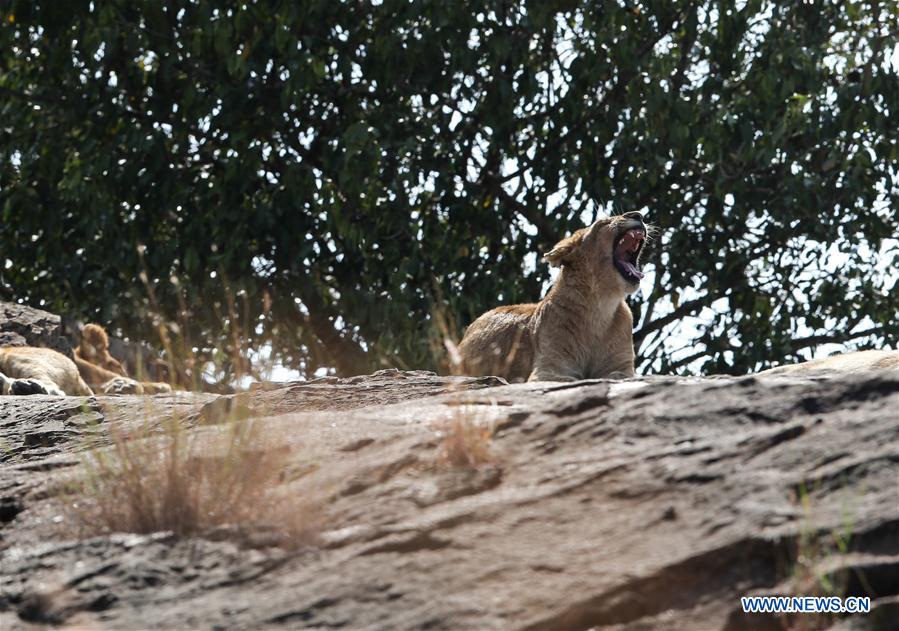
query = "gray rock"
{"x": 335, "y": 393}
{"x": 645, "y": 504}
{"x": 24, "y": 326}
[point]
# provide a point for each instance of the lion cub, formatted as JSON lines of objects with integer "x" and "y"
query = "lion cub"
{"x": 100, "y": 369}
{"x": 582, "y": 329}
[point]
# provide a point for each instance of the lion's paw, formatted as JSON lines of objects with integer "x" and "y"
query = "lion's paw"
{"x": 23, "y": 387}
{"x": 122, "y": 385}
{"x": 155, "y": 387}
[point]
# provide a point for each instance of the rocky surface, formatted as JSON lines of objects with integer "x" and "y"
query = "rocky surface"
{"x": 333, "y": 393}
{"x": 645, "y": 504}
{"x": 24, "y": 326}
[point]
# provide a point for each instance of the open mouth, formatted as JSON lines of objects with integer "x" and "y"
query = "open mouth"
{"x": 626, "y": 254}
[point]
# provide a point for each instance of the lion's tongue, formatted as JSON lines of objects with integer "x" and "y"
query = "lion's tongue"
{"x": 631, "y": 269}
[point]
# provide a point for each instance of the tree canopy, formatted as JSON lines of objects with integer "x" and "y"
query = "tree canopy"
{"x": 330, "y": 179}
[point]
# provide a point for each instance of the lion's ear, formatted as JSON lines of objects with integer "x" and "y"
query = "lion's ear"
{"x": 564, "y": 250}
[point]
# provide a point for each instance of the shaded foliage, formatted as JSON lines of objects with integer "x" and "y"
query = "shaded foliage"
{"x": 324, "y": 176}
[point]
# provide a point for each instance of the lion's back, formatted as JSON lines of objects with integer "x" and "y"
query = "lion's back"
{"x": 852, "y": 362}
{"x": 500, "y": 343}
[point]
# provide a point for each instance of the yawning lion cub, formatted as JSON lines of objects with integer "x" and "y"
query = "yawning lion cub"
{"x": 582, "y": 329}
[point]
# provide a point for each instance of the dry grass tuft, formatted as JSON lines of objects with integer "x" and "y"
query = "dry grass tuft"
{"x": 465, "y": 443}
{"x": 225, "y": 482}
{"x": 817, "y": 569}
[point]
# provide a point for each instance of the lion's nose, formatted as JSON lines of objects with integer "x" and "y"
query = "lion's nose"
{"x": 634, "y": 214}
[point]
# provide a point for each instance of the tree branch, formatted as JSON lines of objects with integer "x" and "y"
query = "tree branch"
{"x": 687, "y": 308}
{"x": 546, "y": 231}
{"x": 830, "y": 338}
{"x": 689, "y": 359}
{"x": 590, "y": 114}
{"x": 347, "y": 355}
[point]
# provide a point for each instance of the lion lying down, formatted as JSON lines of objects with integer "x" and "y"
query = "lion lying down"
{"x": 858, "y": 361}
{"x": 33, "y": 370}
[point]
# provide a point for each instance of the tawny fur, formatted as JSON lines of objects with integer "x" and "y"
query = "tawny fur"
{"x": 582, "y": 328}
{"x": 102, "y": 370}
{"x": 859, "y": 361}
{"x": 32, "y": 370}
{"x": 94, "y": 348}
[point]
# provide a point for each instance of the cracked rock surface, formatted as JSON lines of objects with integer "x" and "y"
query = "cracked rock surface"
{"x": 23, "y": 326}
{"x": 648, "y": 504}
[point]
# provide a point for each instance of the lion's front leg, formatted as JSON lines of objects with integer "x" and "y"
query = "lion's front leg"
{"x": 552, "y": 371}
{"x": 550, "y": 376}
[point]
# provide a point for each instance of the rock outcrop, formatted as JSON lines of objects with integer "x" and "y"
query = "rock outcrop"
{"x": 644, "y": 504}
{"x": 25, "y": 326}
